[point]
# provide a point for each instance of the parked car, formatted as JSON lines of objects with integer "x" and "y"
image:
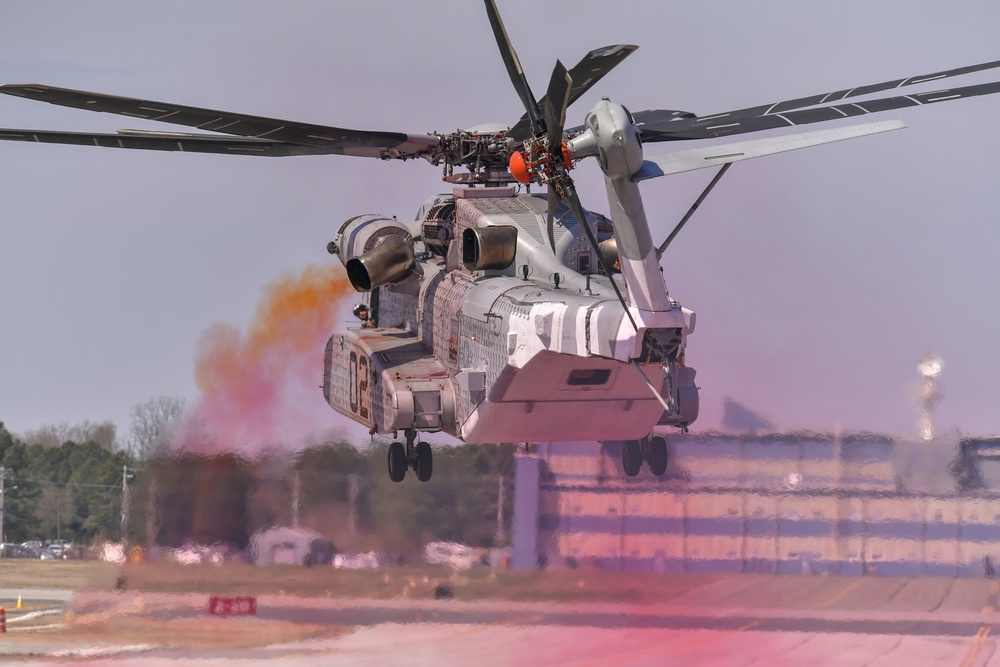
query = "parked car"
{"x": 452, "y": 554}
{"x": 32, "y": 548}
{"x": 52, "y": 553}
{"x": 9, "y": 550}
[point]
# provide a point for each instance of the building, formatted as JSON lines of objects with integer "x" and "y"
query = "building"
{"x": 843, "y": 504}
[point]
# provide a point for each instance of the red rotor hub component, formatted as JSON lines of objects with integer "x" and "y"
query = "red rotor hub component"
{"x": 519, "y": 168}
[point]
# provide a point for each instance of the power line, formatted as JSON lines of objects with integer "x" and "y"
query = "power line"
{"x": 68, "y": 484}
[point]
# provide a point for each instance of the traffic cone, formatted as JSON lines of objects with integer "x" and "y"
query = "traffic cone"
{"x": 20, "y": 605}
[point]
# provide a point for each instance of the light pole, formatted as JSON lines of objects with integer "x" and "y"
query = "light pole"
{"x": 930, "y": 367}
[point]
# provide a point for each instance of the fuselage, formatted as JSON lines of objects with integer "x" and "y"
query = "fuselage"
{"x": 536, "y": 351}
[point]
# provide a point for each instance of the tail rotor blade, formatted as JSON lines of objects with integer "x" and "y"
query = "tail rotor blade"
{"x": 585, "y": 74}
{"x": 556, "y": 103}
{"x": 514, "y": 69}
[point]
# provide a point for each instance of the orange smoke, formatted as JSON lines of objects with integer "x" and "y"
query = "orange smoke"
{"x": 262, "y": 387}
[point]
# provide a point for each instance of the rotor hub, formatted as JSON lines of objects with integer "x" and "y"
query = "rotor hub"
{"x": 537, "y": 164}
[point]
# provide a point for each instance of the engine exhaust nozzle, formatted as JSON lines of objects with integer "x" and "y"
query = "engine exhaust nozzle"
{"x": 389, "y": 261}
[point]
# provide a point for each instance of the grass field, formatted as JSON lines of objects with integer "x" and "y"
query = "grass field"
{"x": 68, "y": 574}
{"x": 414, "y": 582}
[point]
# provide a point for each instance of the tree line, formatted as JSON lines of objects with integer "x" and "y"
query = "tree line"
{"x": 73, "y": 490}
{"x": 336, "y": 489}
{"x": 70, "y": 491}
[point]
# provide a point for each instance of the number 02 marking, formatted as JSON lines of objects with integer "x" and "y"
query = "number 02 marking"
{"x": 357, "y": 371}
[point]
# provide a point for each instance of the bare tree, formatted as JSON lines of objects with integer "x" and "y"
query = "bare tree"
{"x": 104, "y": 433}
{"x": 150, "y": 424}
{"x": 54, "y": 435}
{"x": 47, "y": 435}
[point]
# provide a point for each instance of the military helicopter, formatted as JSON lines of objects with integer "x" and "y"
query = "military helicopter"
{"x": 499, "y": 314}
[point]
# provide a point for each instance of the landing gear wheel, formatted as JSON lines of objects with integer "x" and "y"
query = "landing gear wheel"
{"x": 425, "y": 463}
{"x": 632, "y": 457}
{"x": 656, "y": 456}
{"x": 397, "y": 462}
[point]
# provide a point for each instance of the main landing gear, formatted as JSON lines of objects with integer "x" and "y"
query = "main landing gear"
{"x": 651, "y": 450}
{"x": 416, "y": 456}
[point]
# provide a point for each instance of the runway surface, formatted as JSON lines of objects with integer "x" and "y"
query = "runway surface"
{"x": 732, "y": 621}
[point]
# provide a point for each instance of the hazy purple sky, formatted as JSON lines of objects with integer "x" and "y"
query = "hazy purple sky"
{"x": 819, "y": 277}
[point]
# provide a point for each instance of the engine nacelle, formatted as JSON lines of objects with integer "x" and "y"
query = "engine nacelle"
{"x": 375, "y": 250}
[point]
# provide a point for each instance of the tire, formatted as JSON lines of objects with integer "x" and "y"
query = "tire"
{"x": 632, "y": 457}
{"x": 425, "y": 462}
{"x": 397, "y": 462}
{"x": 656, "y": 456}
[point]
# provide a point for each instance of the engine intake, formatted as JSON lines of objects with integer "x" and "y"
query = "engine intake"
{"x": 489, "y": 248}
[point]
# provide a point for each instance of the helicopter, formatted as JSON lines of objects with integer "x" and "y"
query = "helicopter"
{"x": 498, "y": 314}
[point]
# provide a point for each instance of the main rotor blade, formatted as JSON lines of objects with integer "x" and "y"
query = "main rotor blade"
{"x": 174, "y": 141}
{"x": 556, "y": 102}
{"x": 722, "y": 127}
{"x": 375, "y": 144}
{"x": 514, "y": 70}
{"x": 814, "y": 100}
{"x": 584, "y": 74}
{"x": 573, "y": 199}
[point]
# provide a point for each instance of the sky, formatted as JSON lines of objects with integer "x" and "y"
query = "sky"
{"x": 819, "y": 277}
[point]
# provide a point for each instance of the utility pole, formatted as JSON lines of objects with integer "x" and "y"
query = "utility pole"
{"x": 152, "y": 513}
{"x": 295, "y": 500}
{"x": 3, "y": 478}
{"x": 500, "y": 536}
{"x": 353, "y": 489}
{"x": 126, "y": 500}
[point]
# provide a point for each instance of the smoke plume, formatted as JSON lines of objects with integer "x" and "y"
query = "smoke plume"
{"x": 261, "y": 388}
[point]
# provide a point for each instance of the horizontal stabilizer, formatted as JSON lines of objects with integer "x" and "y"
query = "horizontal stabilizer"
{"x": 712, "y": 156}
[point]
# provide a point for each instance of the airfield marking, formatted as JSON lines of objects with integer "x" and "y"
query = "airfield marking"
{"x": 674, "y": 648}
{"x": 840, "y": 594}
{"x": 526, "y": 619}
{"x": 972, "y": 654}
{"x": 705, "y": 587}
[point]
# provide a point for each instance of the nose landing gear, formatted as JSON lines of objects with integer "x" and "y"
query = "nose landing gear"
{"x": 414, "y": 456}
